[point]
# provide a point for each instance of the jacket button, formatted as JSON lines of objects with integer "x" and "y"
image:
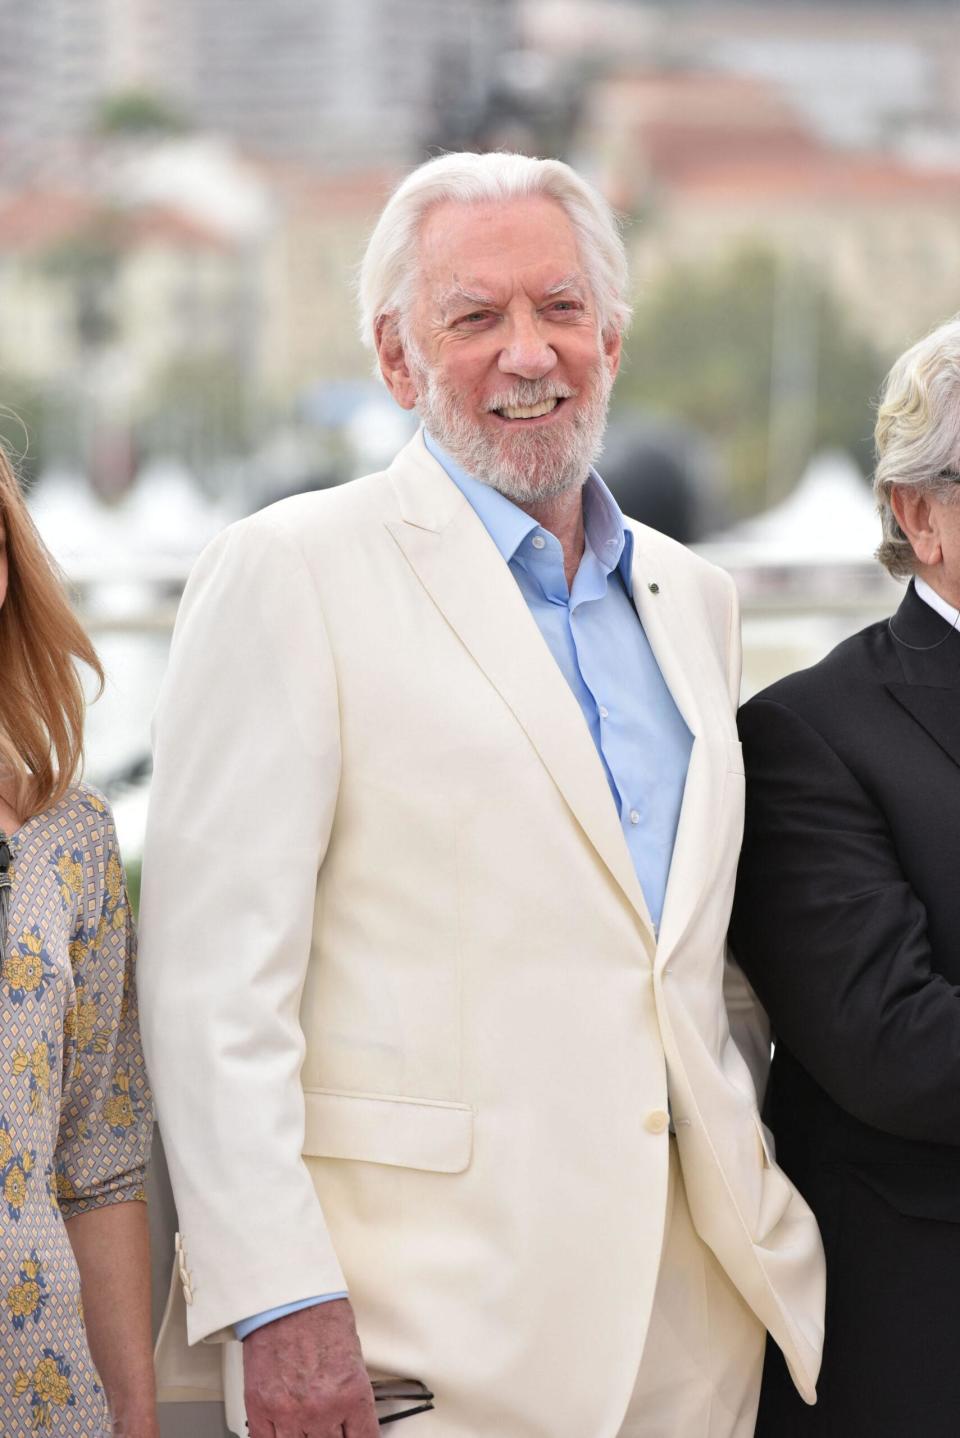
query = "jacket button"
{"x": 657, "y": 1121}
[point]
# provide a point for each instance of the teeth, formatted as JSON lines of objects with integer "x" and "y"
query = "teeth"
{"x": 530, "y": 411}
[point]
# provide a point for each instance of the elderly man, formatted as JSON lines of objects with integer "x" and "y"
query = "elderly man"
{"x": 847, "y": 920}
{"x": 447, "y": 808}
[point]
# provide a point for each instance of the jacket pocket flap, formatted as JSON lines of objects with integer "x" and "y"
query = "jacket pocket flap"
{"x": 404, "y": 1132}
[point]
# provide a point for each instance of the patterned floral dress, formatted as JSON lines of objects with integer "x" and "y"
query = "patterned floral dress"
{"x": 75, "y": 1113}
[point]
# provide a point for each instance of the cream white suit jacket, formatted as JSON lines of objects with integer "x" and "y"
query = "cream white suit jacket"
{"x": 408, "y": 1025}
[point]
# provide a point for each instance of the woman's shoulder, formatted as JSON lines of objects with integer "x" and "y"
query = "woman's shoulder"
{"x": 80, "y": 806}
{"x": 80, "y": 822}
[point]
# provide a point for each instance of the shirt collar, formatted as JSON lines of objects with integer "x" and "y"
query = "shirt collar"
{"x": 936, "y": 601}
{"x": 508, "y": 525}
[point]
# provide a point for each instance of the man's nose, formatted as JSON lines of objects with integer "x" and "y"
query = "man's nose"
{"x": 527, "y": 352}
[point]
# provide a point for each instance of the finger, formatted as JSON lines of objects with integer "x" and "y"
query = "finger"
{"x": 363, "y": 1424}
{"x": 260, "y": 1428}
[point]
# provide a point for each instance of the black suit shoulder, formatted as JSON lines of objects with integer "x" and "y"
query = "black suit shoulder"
{"x": 837, "y": 687}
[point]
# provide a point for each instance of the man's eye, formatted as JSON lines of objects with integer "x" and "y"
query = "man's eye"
{"x": 475, "y": 317}
{"x": 565, "y": 306}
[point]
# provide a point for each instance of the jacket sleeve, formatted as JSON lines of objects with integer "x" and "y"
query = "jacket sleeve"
{"x": 106, "y": 1116}
{"x": 834, "y": 940}
{"x": 247, "y": 763}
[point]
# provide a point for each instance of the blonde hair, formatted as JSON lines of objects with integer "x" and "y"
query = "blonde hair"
{"x": 917, "y": 435}
{"x": 389, "y": 270}
{"x": 41, "y": 698}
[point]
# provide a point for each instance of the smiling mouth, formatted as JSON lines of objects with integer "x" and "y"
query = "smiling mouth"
{"x": 528, "y": 411}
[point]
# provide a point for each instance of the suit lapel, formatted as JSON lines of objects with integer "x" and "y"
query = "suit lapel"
{"x": 928, "y": 658}
{"x": 936, "y": 710}
{"x": 459, "y": 566}
{"x": 680, "y": 648}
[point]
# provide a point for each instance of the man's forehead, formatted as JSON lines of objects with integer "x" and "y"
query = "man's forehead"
{"x": 457, "y": 235}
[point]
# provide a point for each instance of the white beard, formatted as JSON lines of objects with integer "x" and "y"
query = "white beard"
{"x": 525, "y": 466}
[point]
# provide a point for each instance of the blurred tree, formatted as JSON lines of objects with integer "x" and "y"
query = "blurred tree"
{"x": 138, "y": 112}
{"x": 21, "y": 426}
{"x": 758, "y": 354}
{"x": 86, "y": 263}
{"x": 198, "y": 411}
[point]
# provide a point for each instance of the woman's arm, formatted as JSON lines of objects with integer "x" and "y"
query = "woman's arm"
{"x": 112, "y": 1249}
{"x": 106, "y": 1127}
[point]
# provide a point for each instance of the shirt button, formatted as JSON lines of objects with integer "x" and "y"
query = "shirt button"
{"x": 657, "y": 1121}
{"x": 634, "y": 817}
{"x": 604, "y": 712}
{"x": 538, "y": 541}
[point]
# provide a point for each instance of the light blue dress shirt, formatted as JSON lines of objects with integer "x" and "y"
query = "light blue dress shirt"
{"x": 595, "y": 635}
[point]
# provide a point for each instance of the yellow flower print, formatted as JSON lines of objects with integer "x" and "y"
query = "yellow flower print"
{"x": 103, "y": 928}
{"x": 96, "y": 802}
{"x": 23, "y": 1298}
{"x": 25, "y": 969}
{"x": 64, "y": 1187}
{"x": 114, "y": 879}
{"x": 80, "y": 1023}
{"x": 40, "y": 1064}
{"x": 79, "y": 952}
{"x": 118, "y": 1110}
{"x": 37, "y": 1061}
{"x": 26, "y": 1299}
{"x": 6, "y": 1145}
{"x": 15, "y": 1184}
{"x": 50, "y": 1382}
{"x": 70, "y": 870}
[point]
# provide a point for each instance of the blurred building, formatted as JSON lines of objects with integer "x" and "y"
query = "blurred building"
{"x": 60, "y": 59}
{"x": 51, "y": 73}
{"x": 709, "y": 161}
{"x": 347, "y": 82}
{"x": 341, "y": 84}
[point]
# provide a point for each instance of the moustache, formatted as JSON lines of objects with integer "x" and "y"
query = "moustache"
{"x": 529, "y": 392}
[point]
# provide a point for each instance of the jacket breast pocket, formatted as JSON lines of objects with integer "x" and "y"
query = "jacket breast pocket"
{"x": 428, "y": 1134}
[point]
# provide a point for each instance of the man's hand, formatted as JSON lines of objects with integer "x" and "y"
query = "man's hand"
{"x": 304, "y": 1377}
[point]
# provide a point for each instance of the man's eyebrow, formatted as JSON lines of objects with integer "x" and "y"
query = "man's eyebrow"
{"x": 459, "y": 295}
{"x": 570, "y": 282}
{"x": 462, "y": 295}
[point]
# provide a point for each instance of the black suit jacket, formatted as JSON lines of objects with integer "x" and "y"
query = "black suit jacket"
{"x": 847, "y": 922}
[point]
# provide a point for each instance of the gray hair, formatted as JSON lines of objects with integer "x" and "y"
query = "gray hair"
{"x": 917, "y": 435}
{"x": 388, "y": 274}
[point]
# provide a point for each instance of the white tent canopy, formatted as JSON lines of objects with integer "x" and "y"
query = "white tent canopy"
{"x": 830, "y": 518}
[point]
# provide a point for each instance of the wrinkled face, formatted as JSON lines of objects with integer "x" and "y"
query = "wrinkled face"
{"x": 507, "y": 365}
{"x": 943, "y": 554}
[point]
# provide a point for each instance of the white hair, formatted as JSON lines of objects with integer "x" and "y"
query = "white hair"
{"x": 388, "y": 274}
{"x": 917, "y": 435}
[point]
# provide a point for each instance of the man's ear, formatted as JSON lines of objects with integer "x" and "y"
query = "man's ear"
{"x": 918, "y": 520}
{"x": 612, "y": 341}
{"x": 393, "y": 362}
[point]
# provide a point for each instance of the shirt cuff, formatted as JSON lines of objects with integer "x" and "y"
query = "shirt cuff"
{"x": 249, "y": 1325}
